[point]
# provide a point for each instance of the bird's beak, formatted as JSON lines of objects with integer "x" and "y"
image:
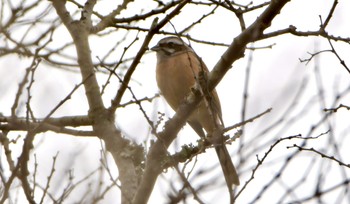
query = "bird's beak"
{"x": 155, "y": 48}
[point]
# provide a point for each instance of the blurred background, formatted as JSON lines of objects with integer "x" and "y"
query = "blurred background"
{"x": 297, "y": 153}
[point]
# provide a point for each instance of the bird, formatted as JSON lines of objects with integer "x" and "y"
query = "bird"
{"x": 177, "y": 70}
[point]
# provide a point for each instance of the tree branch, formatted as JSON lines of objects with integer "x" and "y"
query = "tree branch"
{"x": 103, "y": 124}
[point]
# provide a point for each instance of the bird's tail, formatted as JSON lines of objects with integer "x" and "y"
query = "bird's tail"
{"x": 227, "y": 166}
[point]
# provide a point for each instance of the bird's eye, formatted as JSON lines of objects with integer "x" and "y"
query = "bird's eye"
{"x": 171, "y": 44}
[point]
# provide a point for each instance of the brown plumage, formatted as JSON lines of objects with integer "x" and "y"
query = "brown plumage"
{"x": 176, "y": 72}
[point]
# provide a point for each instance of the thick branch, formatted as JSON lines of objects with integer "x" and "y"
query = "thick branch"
{"x": 102, "y": 124}
{"x": 237, "y": 47}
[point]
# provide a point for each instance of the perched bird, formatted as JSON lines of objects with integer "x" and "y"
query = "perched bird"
{"x": 177, "y": 70}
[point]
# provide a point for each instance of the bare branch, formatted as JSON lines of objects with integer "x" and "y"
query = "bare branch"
{"x": 337, "y": 108}
{"x": 319, "y": 153}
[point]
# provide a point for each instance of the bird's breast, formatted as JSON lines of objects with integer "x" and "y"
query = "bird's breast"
{"x": 175, "y": 77}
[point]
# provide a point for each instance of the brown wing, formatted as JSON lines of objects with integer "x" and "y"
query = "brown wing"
{"x": 213, "y": 99}
{"x": 216, "y": 101}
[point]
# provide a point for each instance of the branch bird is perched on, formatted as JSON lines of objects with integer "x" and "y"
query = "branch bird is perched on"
{"x": 177, "y": 69}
